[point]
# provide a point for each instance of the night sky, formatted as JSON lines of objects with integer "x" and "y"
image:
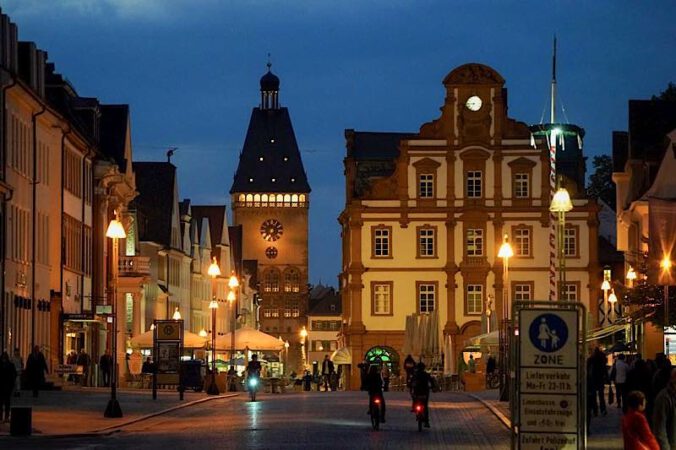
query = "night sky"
{"x": 190, "y": 70}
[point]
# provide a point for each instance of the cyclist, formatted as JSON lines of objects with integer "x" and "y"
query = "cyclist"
{"x": 420, "y": 388}
{"x": 374, "y": 385}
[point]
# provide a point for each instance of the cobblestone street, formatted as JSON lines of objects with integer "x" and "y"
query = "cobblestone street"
{"x": 334, "y": 420}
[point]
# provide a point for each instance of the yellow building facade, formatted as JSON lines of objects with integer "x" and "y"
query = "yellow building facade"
{"x": 426, "y": 213}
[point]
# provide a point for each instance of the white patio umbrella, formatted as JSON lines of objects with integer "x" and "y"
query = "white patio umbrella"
{"x": 190, "y": 340}
{"x": 249, "y": 338}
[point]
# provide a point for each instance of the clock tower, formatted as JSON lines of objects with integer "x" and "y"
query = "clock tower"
{"x": 270, "y": 200}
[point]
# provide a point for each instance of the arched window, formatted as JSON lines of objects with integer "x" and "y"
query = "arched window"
{"x": 249, "y": 199}
{"x": 264, "y": 199}
{"x": 294, "y": 200}
{"x": 271, "y": 280}
{"x": 257, "y": 199}
{"x": 280, "y": 199}
{"x": 301, "y": 199}
{"x": 287, "y": 200}
{"x": 242, "y": 198}
{"x": 291, "y": 280}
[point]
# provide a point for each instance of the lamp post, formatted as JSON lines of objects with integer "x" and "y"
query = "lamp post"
{"x": 115, "y": 232}
{"x": 612, "y": 299}
{"x": 665, "y": 264}
{"x": 286, "y": 357}
{"x": 605, "y": 287}
{"x": 213, "y": 271}
{"x": 631, "y": 277}
{"x": 233, "y": 283}
{"x": 505, "y": 252}
{"x": 561, "y": 204}
{"x": 177, "y": 314}
{"x": 303, "y": 336}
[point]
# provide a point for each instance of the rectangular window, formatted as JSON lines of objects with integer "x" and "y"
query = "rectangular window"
{"x": 382, "y": 242}
{"x": 73, "y": 173}
{"x": 382, "y": 298}
{"x": 267, "y": 313}
{"x": 570, "y": 241}
{"x": 295, "y": 312}
{"x": 521, "y": 241}
{"x": 475, "y": 242}
{"x": 475, "y": 298}
{"x": 523, "y": 292}
{"x": 275, "y": 312}
{"x": 427, "y": 296}
{"x": 73, "y": 243}
{"x": 426, "y": 244}
{"x": 88, "y": 250}
{"x": 521, "y": 185}
{"x": 570, "y": 292}
{"x": 287, "y": 312}
{"x": 474, "y": 184}
{"x": 426, "y": 185}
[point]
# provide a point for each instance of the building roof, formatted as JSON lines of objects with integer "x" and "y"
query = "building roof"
{"x": 328, "y": 304}
{"x": 270, "y": 160}
{"x": 216, "y": 215}
{"x": 155, "y": 182}
{"x": 649, "y": 122}
{"x": 269, "y": 81}
{"x": 608, "y": 253}
{"x": 235, "y": 235}
{"x": 374, "y": 144}
{"x": 114, "y": 123}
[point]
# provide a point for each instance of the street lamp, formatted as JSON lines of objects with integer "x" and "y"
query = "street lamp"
{"x": 213, "y": 271}
{"x": 505, "y": 252}
{"x": 115, "y": 232}
{"x": 233, "y": 283}
{"x": 631, "y": 276}
{"x": 177, "y": 314}
{"x": 286, "y": 357}
{"x": 303, "y": 336}
{"x": 612, "y": 299}
{"x": 605, "y": 287}
{"x": 561, "y": 204}
{"x": 665, "y": 264}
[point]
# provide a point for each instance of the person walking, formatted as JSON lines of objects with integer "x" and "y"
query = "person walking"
{"x": 598, "y": 378}
{"x": 106, "y": 365}
{"x": 621, "y": 369}
{"x": 84, "y": 360}
{"x": 36, "y": 367}
{"x": 17, "y": 360}
{"x": 664, "y": 415}
{"x": 472, "y": 364}
{"x": 328, "y": 371}
{"x": 7, "y": 379}
{"x": 635, "y": 429}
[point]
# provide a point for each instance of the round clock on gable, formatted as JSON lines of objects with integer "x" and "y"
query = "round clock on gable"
{"x": 271, "y": 230}
{"x": 474, "y": 103}
{"x": 271, "y": 252}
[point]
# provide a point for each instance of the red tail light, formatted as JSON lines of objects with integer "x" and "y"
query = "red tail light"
{"x": 376, "y": 401}
{"x": 418, "y": 408}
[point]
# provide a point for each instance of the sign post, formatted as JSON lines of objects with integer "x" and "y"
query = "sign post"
{"x": 549, "y": 408}
{"x": 167, "y": 351}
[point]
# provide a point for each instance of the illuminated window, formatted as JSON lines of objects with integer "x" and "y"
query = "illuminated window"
{"x": 257, "y": 199}
{"x": 242, "y": 198}
{"x": 264, "y": 199}
{"x": 475, "y": 242}
{"x": 292, "y": 280}
{"x": 474, "y": 298}
{"x": 271, "y": 281}
{"x": 382, "y": 298}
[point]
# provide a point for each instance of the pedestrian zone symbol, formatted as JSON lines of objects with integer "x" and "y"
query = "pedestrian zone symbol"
{"x": 548, "y": 333}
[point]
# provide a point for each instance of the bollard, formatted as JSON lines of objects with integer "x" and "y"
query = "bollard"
{"x": 21, "y": 421}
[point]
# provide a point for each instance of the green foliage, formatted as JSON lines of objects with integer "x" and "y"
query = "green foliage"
{"x": 601, "y": 181}
{"x": 669, "y": 94}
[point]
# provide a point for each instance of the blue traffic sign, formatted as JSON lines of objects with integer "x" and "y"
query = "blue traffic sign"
{"x": 548, "y": 333}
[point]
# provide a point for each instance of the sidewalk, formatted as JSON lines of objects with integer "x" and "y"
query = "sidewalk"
{"x": 605, "y": 431}
{"x": 78, "y": 410}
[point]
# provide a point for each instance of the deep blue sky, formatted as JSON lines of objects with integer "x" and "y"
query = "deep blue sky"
{"x": 190, "y": 70}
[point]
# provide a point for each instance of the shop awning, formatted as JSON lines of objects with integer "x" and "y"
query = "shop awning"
{"x": 601, "y": 333}
{"x": 342, "y": 356}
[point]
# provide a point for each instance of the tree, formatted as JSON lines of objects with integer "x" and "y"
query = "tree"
{"x": 669, "y": 94}
{"x": 601, "y": 184}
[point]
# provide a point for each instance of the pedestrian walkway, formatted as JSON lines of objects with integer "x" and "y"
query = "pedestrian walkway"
{"x": 79, "y": 410}
{"x": 605, "y": 432}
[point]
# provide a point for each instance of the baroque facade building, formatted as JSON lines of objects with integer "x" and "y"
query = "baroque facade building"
{"x": 270, "y": 200}
{"x": 426, "y": 212}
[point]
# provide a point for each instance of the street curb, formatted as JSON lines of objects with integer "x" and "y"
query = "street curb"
{"x": 496, "y": 412}
{"x": 107, "y": 431}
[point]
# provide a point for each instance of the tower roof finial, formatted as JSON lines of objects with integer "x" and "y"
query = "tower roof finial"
{"x": 269, "y": 64}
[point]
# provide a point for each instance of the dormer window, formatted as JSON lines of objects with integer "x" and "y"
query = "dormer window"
{"x": 272, "y": 141}
{"x": 286, "y": 158}
{"x": 426, "y": 185}
{"x": 260, "y": 159}
{"x": 250, "y": 180}
{"x": 293, "y": 180}
{"x": 274, "y": 179}
{"x": 426, "y": 174}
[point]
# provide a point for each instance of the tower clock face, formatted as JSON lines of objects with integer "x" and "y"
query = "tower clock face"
{"x": 474, "y": 103}
{"x": 271, "y": 252}
{"x": 271, "y": 230}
